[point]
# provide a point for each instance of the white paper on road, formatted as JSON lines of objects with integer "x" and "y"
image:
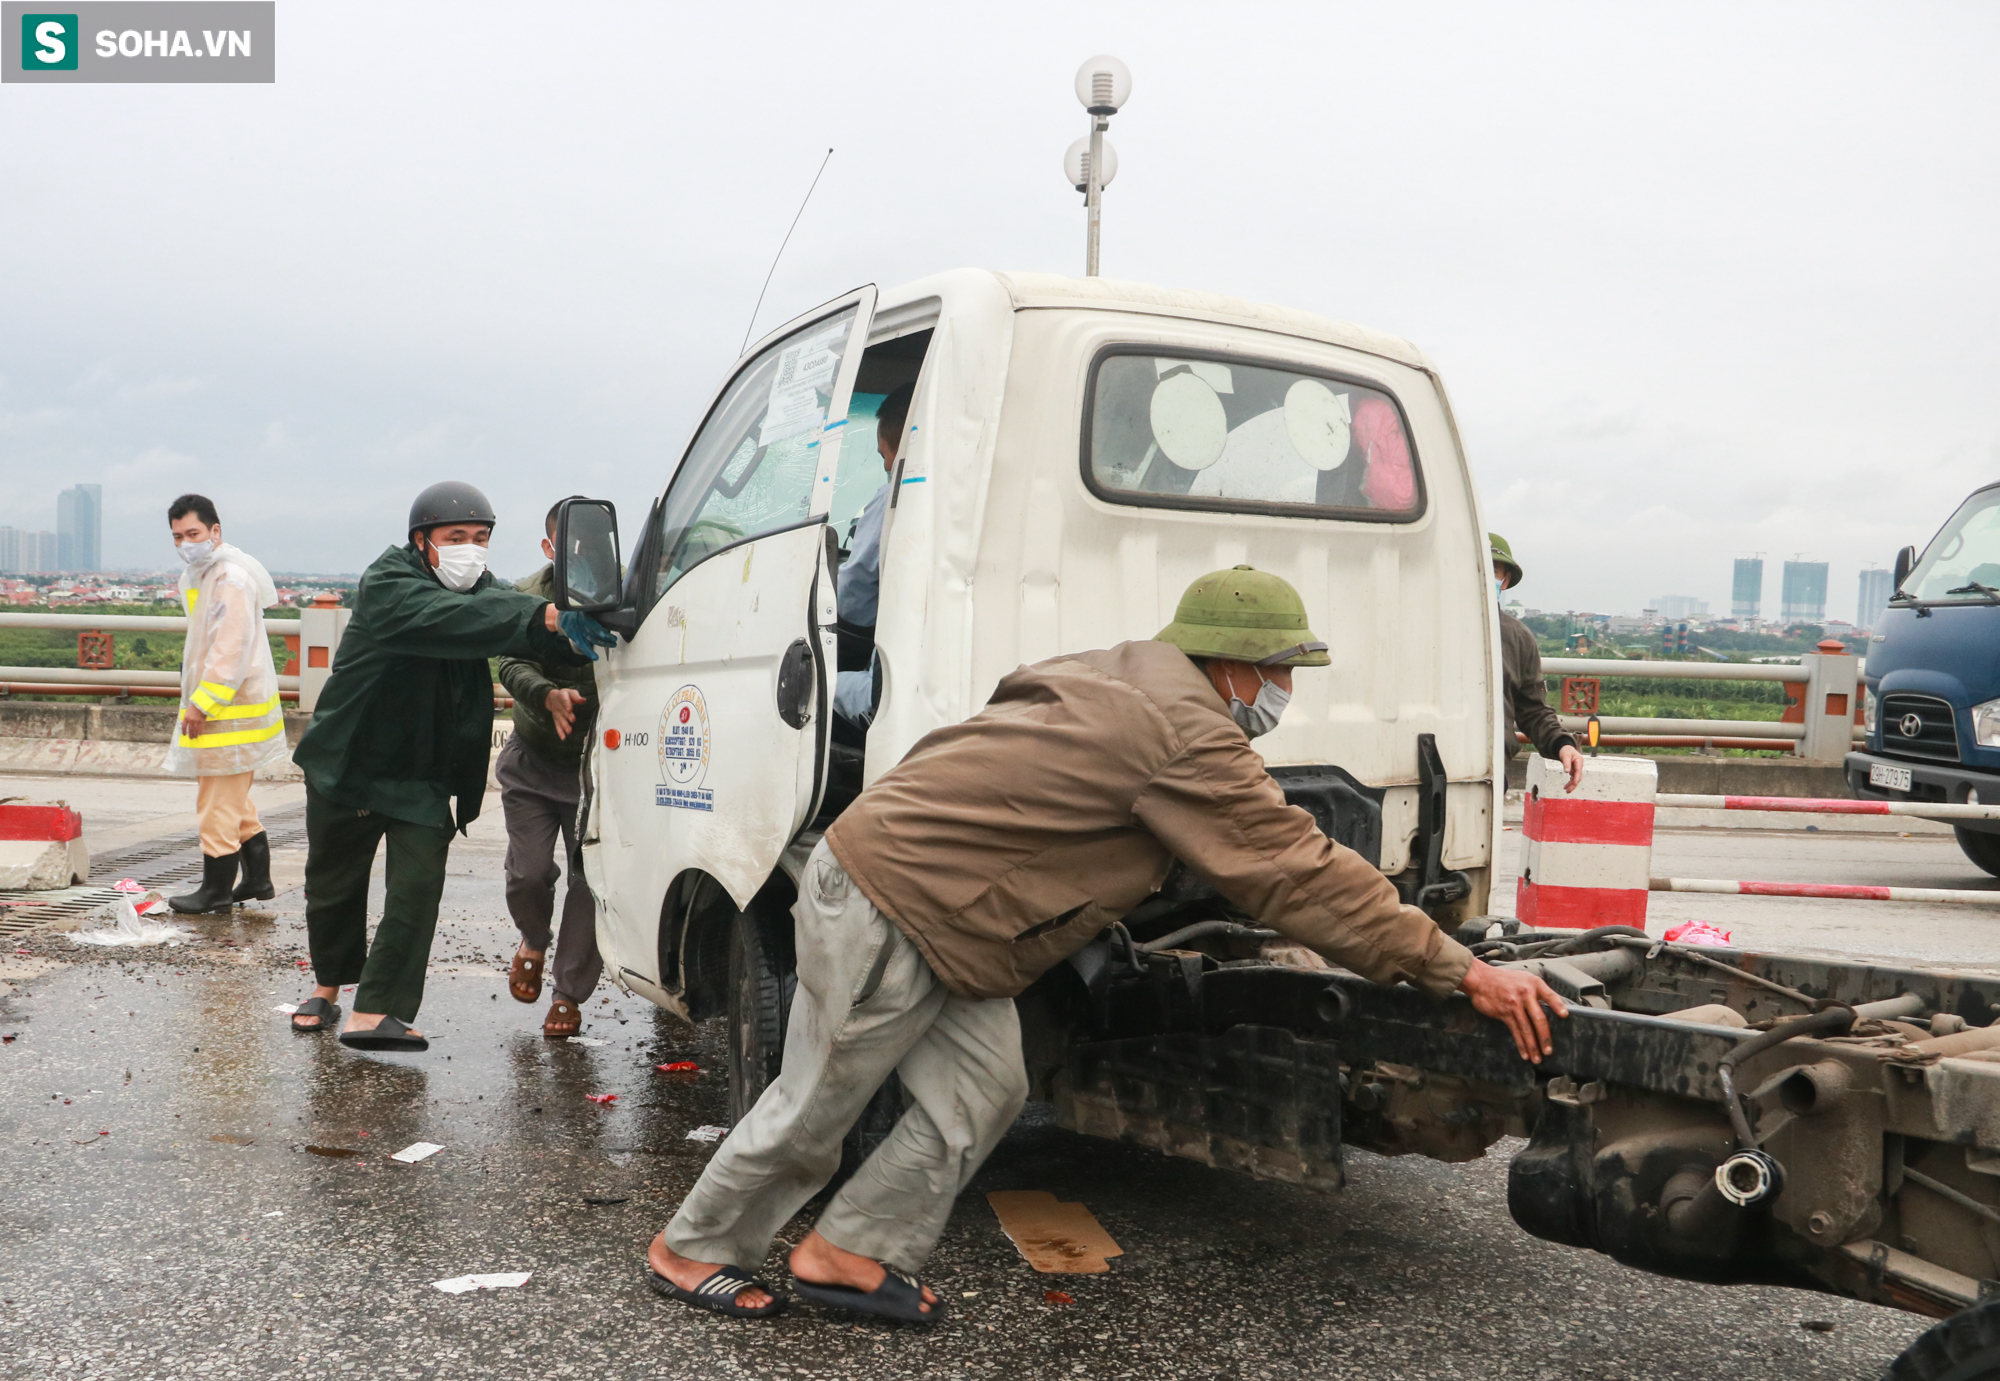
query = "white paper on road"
{"x": 416, "y": 1151}
{"x": 499, "y": 1280}
{"x": 587, "y": 1040}
{"x": 288, "y": 1008}
{"x": 708, "y": 1134}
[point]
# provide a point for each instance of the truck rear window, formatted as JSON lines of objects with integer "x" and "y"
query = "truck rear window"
{"x": 1211, "y": 432}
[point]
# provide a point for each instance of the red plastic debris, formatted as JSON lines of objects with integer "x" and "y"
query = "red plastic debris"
{"x": 678, "y": 1067}
{"x": 1699, "y": 933}
{"x": 602, "y": 1097}
{"x": 1056, "y": 1297}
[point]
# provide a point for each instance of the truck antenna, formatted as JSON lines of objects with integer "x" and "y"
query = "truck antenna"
{"x": 781, "y": 253}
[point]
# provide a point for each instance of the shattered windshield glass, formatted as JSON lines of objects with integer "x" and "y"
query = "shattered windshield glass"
{"x": 1204, "y": 433}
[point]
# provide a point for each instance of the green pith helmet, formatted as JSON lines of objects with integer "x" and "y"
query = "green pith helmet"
{"x": 1247, "y": 615}
{"x": 1503, "y": 557}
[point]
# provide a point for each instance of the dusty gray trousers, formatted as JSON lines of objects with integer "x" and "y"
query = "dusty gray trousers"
{"x": 539, "y": 799}
{"x": 867, "y": 1004}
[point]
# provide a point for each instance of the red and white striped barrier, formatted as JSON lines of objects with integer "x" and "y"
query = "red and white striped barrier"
{"x": 1838, "y": 890}
{"x": 1586, "y": 856}
{"x": 1806, "y": 805}
{"x": 41, "y": 846}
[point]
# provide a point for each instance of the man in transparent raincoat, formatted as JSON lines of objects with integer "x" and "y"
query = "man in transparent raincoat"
{"x": 231, "y": 721}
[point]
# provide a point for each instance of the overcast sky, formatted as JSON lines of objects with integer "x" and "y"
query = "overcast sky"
{"x": 1702, "y": 280}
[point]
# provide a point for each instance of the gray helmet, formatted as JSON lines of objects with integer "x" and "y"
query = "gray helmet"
{"x": 450, "y": 501}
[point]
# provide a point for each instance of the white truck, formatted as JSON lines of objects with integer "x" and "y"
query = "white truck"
{"x": 1076, "y": 453}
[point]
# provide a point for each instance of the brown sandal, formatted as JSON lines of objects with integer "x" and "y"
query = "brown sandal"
{"x": 565, "y": 1019}
{"x": 524, "y": 977}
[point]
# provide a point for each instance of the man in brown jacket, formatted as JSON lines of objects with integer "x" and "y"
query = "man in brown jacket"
{"x": 995, "y": 850}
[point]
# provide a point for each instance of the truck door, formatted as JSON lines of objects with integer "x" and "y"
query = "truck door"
{"x": 714, "y": 716}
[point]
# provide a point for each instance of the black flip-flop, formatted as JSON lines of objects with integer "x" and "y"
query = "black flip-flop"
{"x": 327, "y": 1012}
{"x": 718, "y": 1293}
{"x": 387, "y": 1034}
{"x": 900, "y": 1297}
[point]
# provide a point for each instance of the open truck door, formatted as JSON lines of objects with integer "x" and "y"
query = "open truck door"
{"x": 724, "y": 687}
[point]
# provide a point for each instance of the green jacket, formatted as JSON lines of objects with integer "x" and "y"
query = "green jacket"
{"x": 405, "y": 722}
{"x": 530, "y": 681}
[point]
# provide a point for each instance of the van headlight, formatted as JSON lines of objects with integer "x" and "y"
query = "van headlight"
{"x": 1868, "y": 703}
{"x": 1986, "y": 724}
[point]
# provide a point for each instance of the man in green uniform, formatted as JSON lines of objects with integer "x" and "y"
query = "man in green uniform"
{"x": 1525, "y": 704}
{"x": 404, "y": 726}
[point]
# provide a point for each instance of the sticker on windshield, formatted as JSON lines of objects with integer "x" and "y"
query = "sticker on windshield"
{"x": 684, "y": 752}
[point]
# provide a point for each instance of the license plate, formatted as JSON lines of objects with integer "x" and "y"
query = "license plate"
{"x": 1895, "y": 778}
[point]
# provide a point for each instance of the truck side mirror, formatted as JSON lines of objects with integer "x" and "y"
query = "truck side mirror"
{"x": 587, "y": 571}
{"x": 1906, "y": 561}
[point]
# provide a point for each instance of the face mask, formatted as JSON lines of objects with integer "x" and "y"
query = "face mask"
{"x": 1261, "y": 715}
{"x": 1499, "y": 589}
{"x": 460, "y": 567}
{"x": 194, "y": 553}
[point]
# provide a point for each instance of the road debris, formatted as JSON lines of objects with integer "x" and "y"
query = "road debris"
{"x": 133, "y": 932}
{"x": 1699, "y": 933}
{"x": 416, "y": 1151}
{"x": 599, "y": 1202}
{"x": 707, "y": 1134}
{"x": 1056, "y": 1238}
{"x": 679, "y": 1067}
{"x": 605, "y": 1098}
{"x": 498, "y": 1280}
{"x": 587, "y": 1040}
{"x": 1056, "y": 1297}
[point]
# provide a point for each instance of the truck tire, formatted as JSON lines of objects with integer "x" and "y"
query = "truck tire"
{"x": 761, "y": 983}
{"x": 1964, "y": 1347}
{"x": 1983, "y": 849}
{"x": 762, "y": 980}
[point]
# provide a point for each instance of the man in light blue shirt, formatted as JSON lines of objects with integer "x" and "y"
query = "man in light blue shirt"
{"x": 861, "y": 573}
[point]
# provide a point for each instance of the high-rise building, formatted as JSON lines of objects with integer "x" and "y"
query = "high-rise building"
{"x": 80, "y": 528}
{"x": 1874, "y": 597}
{"x": 1673, "y": 607}
{"x": 1746, "y": 592}
{"x": 26, "y": 553}
{"x": 1804, "y": 599}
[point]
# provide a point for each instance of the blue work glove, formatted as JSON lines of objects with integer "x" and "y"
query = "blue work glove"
{"x": 585, "y": 633}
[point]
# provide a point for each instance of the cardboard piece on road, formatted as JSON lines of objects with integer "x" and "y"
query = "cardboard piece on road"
{"x": 1056, "y": 1239}
{"x": 416, "y": 1151}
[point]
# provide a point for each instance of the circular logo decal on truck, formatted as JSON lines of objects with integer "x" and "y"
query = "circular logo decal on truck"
{"x": 684, "y": 750}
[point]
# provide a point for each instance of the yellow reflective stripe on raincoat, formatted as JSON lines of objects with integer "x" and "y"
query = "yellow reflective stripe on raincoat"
{"x": 208, "y": 696}
{"x": 243, "y": 711}
{"x": 229, "y": 739}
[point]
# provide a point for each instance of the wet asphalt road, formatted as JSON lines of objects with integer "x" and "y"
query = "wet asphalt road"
{"x": 173, "y": 1211}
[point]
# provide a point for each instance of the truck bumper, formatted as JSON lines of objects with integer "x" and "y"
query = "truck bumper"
{"x": 1945, "y": 783}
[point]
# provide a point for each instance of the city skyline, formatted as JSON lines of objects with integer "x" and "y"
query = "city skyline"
{"x": 76, "y": 546}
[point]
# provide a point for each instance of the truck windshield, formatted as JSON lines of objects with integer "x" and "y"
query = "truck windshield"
{"x": 1963, "y": 557}
{"x": 751, "y": 467}
{"x": 1184, "y": 432}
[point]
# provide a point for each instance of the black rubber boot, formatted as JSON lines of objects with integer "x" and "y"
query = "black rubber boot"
{"x": 217, "y": 874}
{"x": 256, "y": 856}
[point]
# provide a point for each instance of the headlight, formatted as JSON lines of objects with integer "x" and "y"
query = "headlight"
{"x": 1868, "y": 711}
{"x": 1986, "y": 724}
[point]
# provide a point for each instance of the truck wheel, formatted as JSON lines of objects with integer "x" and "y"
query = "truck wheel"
{"x": 1983, "y": 849}
{"x": 761, "y": 983}
{"x": 1964, "y": 1347}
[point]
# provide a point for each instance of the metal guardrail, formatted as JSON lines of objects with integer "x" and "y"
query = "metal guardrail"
{"x": 111, "y": 680}
{"x": 126, "y": 623}
{"x": 1832, "y": 687}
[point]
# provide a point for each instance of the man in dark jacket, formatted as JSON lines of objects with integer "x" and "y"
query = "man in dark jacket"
{"x": 555, "y": 708}
{"x": 402, "y": 729}
{"x": 1526, "y": 705}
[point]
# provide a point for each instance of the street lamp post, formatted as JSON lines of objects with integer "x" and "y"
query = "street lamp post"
{"x": 1103, "y": 84}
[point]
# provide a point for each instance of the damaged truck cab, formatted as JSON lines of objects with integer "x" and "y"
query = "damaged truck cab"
{"x": 1075, "y": 454}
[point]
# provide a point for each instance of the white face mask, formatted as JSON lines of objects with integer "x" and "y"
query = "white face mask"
{"x": 1262, "y": 714}
{"x": 194, "y": 553}
{"x": 1499, "y": 589}
{"x": 460, "y": 567}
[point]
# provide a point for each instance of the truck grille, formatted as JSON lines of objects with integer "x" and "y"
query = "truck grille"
{"x": 1918, "y": 726}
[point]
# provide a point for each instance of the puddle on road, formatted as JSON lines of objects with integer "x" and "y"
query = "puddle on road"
{"x": 336, "y": 1152}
